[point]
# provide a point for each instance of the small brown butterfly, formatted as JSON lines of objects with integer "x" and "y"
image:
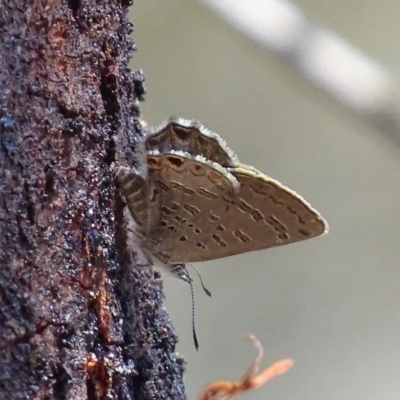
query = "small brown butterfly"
{"x": 197, "y": 202}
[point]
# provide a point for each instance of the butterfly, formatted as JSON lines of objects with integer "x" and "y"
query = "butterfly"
{"x": 198, "y": 202}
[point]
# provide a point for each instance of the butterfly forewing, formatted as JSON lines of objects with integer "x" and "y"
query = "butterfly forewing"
{"x": 197, "y": 215}
{"x": 191, "y": 196}
{"x": 271, "y": 214}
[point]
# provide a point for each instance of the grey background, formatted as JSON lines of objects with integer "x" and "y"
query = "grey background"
{"x": 331, "y": 303}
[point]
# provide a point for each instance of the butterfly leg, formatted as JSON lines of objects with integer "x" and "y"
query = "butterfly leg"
{"x": 180, "y": 271}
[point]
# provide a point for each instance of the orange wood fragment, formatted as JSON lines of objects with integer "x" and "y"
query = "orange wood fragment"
{"x": 222, "y": 390}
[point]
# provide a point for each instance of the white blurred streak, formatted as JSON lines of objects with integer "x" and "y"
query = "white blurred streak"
{"x": 327, "y": 60}
{"x": 348, "y": 74}
{"x": 271, "y": 23}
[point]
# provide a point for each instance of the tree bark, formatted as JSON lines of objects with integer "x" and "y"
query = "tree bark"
{"x": 77, "y": 319}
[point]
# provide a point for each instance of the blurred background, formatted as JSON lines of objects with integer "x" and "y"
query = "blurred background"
{"x": 312, "y": 102}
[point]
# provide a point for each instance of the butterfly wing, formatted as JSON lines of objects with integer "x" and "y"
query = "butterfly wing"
{"x": 270, "y": 214}
{"x": 191, "y": 137}
{"x": 205, "y": 215}
{"x": 187, "y": 196}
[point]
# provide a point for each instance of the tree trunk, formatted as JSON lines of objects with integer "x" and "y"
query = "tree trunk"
{"x": 77, "y": 320}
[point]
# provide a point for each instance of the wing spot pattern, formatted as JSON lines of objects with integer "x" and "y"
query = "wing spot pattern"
{"x": 174, "y": 206}
{"x": 272, "y": 221}
{"x": 179, "y": 219}
{"x": 228, "y": 200}
{"x": 153, "y": 162}
{"x": 256, "y": 215}
{"x": 166, "y": 210}
{"x": 213, "y": 218}
{"x": 175, "y": 162}
{"x": 155, "y": 195}
{"x": 277, "y": 225}
{"x": 301, "y": 220}
{"x": 299, "y": 217}
{"x": 177, "y": 186}
{"x": 244, "y": 207}
{"x": 283, "y": 236}
{"x": 188, "y": 191}
{"x": 198, "y": 170}
{"x": 242, "y": 236}
{"x": 279, "y": 201}
{"x": 219, "y": 240}
{"x": 191, "y": 209}
{"x": 162, "y": 185}
{"x": 206, "y": 193}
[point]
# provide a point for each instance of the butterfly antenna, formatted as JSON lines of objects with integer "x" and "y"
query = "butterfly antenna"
{"x": 180, "y": 271}
{"x": 196, "y": 342}
{"x": 206, "y": 291}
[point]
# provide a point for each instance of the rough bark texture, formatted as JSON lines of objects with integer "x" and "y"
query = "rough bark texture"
{"x": 77, "y": 321}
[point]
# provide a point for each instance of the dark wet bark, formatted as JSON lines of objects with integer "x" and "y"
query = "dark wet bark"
{"x": 77, "y": 321}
